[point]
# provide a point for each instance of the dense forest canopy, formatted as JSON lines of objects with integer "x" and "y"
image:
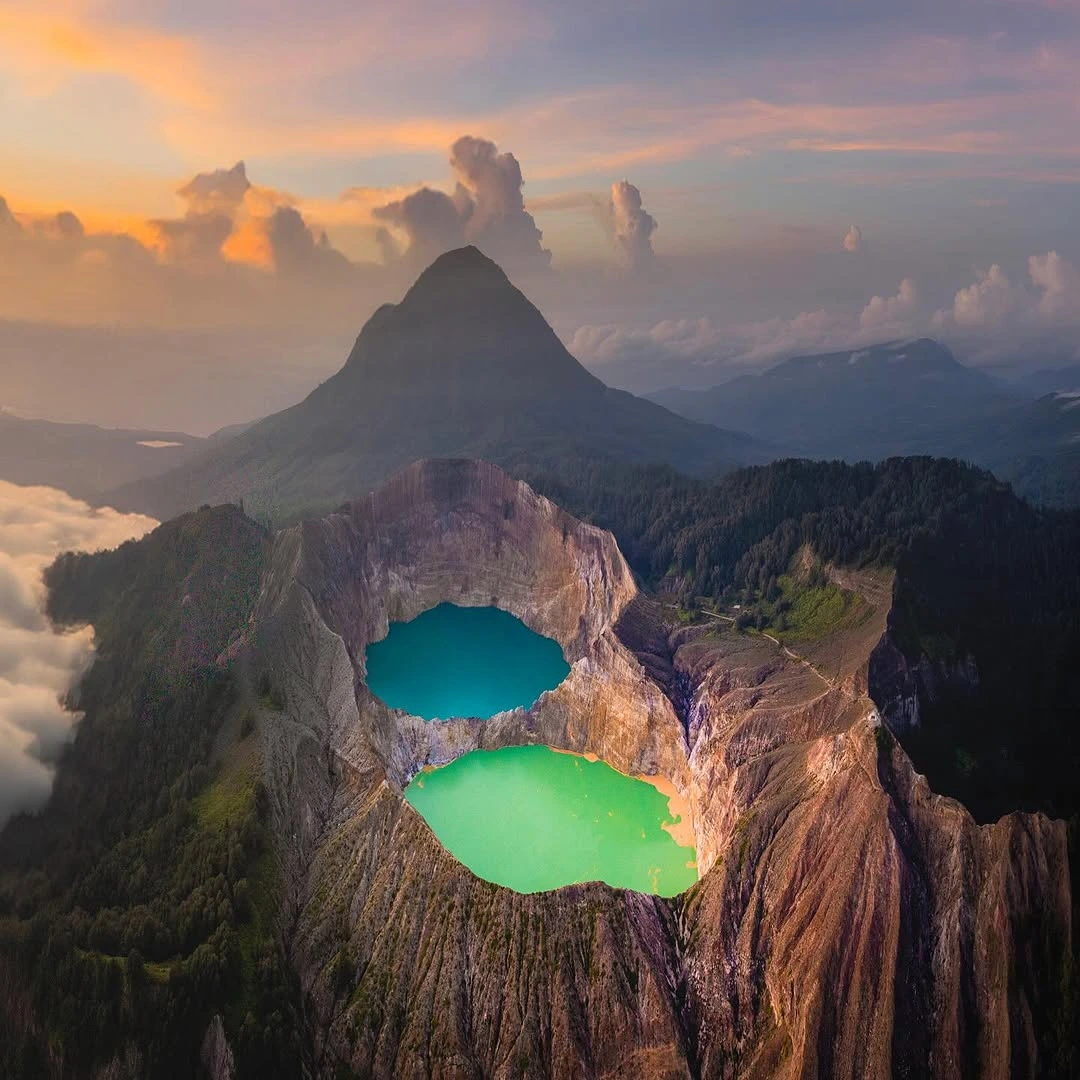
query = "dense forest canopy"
{"x": 980, "y": 573}
{"x": 138, "y": 904}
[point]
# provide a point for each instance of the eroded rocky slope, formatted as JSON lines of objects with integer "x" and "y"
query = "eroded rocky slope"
{"x": 849, "y": 922}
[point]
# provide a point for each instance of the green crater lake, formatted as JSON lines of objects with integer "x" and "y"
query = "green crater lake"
{"x": 463, "y": 661}
{"x": 532, "y": 818}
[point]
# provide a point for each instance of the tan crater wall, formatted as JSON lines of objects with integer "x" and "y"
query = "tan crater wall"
{"x": 465, "y": 532}
{"x": 851, "y": 923}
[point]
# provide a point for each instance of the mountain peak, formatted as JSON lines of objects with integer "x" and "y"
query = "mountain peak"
{"x": 469, "y": 256}
{"x": 464, "y": 328}
{"x": 460, "y": 271}
{"x": 925, "y": 351}
{"x": 463, "y": 366}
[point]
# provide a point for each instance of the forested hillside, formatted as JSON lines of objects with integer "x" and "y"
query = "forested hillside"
{"x": 979, "y": 572}
{"x": 904, "y": 398}
{"x": 141, "y": 902}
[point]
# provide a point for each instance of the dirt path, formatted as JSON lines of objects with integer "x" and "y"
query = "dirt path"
{"x": 776, "y": 641}
{"x": 800, "y": 659}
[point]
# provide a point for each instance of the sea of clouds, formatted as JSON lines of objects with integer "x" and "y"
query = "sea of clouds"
{"x": 38, "y": 662}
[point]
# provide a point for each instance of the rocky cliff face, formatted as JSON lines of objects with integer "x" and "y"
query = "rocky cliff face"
{"x": 849, "y": 922}
{"x": 901, "y": 687}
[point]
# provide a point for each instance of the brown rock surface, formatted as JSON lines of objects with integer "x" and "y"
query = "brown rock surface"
{"x": 849, "y": 922}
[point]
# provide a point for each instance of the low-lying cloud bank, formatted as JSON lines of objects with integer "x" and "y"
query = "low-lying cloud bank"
{"x": 39, "y": 664}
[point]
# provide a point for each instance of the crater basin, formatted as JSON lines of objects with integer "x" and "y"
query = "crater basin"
{"x": 533, "y": 818}
{"x": 455, "y": 661}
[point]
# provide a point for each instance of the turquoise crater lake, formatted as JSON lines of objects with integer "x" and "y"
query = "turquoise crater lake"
{"x": 533, "y": 818}
{"x": 455, "y": 661}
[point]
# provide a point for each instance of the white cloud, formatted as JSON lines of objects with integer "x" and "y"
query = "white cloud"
{"x": 685, "y": 337}
{"x": 853, "y": 241}
{"x": 487, "y": 208}
{"x": 633, "y": 225}
{"x": 991, "y": 322}
{"x": 1059, "y": 281}
{"x": 627, "y": 226}
{"x": 39, "y": 664}
{"x": 891, "y": 314}
{"x": 497, "y": 220}
{"x": 672, "y": 350}
{"x": 695, "y": 352}
{"x": 987, "y": 301}
{"x": 809, "y": 331}
{"x": 993, "y": 303}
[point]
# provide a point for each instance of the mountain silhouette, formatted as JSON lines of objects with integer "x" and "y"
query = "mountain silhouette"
{"x": 463, "y": 366}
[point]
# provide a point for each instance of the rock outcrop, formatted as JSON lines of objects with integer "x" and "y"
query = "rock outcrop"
{"x": 900, "y": 687}
{"x": 849, "y": 922}
{"x": 217, "y": 1056}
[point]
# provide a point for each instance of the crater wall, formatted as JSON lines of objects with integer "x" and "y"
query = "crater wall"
{"x": 850, "y": 922}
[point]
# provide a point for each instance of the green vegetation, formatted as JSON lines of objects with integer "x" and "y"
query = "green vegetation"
{"x": 979, "y": 573}
{"x": 803, "y": 607}
{"x": 742, "y": 836}
{"x": 142, "y": 902}
{"x": 228, "y": 799}
{"x": 814, "y": 612}
{"x": 883, "y": 740}
{"x": 145, "y": 899}
{"x": 981, "y": 576}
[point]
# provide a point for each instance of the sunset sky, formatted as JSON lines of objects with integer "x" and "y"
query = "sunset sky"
{"x": 798, "y": 174}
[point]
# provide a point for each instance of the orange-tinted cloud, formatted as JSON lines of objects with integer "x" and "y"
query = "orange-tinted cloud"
{"x": 249, "y": 244}
{"x": 48, "y": 46}
{"x": 227, "y": 219}
{"x": 853, "y": 239}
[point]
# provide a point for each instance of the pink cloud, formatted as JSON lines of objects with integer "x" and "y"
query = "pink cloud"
{"x": 853, "y": 240}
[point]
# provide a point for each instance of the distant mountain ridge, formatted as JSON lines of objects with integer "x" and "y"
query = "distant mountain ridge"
{"x": 463, "y": 366}
{"x": 897, "y": 399}
{"x": 85, "y": 460}
{"x": 1052, "y": 380}
{"x": 1035, "y": 446}
{"x": 894, "y": 398}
